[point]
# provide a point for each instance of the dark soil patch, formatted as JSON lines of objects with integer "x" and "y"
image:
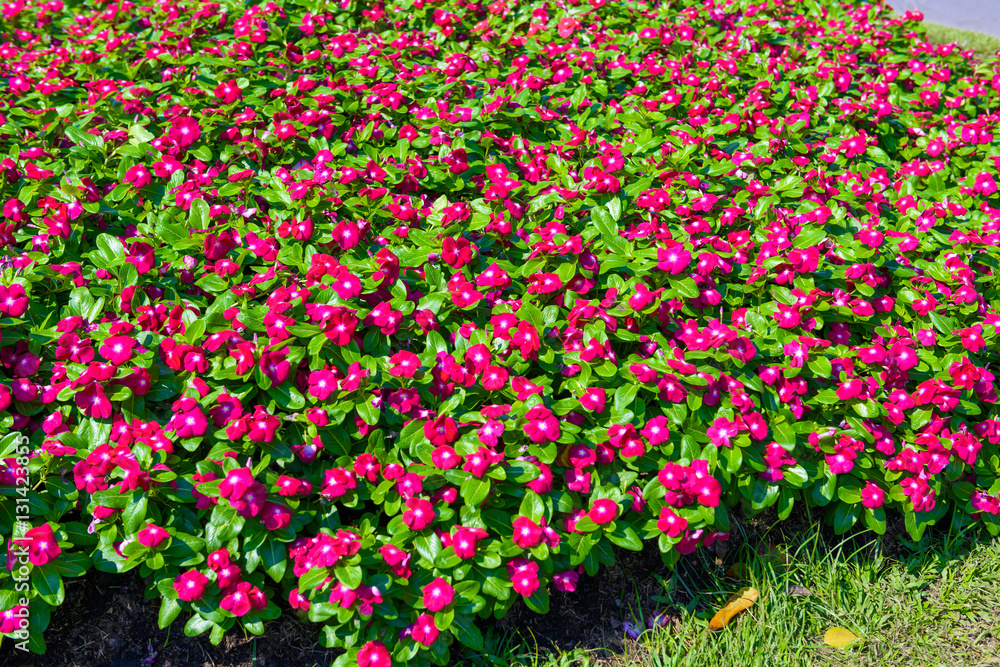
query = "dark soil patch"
{"x": 106, "y": 621}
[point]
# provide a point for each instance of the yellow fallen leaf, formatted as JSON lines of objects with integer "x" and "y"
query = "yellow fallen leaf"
{"x": 839, "y": 637}
{"x": 742, "y": 599}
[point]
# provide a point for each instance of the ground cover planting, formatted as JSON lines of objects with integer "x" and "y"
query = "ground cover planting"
{"x": 391, "y": 317}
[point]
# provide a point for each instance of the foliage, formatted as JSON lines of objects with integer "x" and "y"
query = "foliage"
{"x": 403, "y": 313}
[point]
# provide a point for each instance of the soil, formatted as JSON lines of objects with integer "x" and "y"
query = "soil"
{"x": 106, "y": 621}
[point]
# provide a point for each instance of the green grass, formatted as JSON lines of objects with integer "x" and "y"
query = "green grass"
{"x": 984, "y": 46}
{"x": 928, "y": 603}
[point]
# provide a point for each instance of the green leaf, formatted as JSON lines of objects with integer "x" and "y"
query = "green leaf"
{"x": 822, "y": 368}
{"x": 82, "y": 138}
{"x": 135, "y": 513}
{"x": 48, "y": 584}
{"x": 475, "y": 491}
{"x": 349, "y": 575}
{"x": 844, "y": 517}
{"x": 875, "y": 519}
{"x": 112, "y": 250}
{"x": 605, "y": 222}
{"x": 169, "y": 611}
{"x": 625, "y": 537}
{"x": 465, "y": 630}
{"x": 198, "y": 214}
{"x": 111, "y": 498}
{"x": 287, "y": 397}
{"x": 140, "y": 134}
{"x": 197, "y": 625}
{"x": 368, "y": 412}
{"x": 538, "y": 601}
{"x": 624, "y": 396}
{"x": 312, "y": 578}
{"x": 274, "y": 556}
{"x": 809, "y": 236}
{"x": 615, "y": 209}
{"x": 686, "y": 287}
{"x": 783, "y": 433}
{"x": 823, "y": 490}
{"x": 532, "y": 506}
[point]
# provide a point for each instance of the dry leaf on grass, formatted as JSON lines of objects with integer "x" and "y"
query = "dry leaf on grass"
{"x": 742, "y": 599}
{"x": 775, "y": 556}
{"x": 770, "y": 555}
{"x": 738, "y": 571}
{"x": 839, "y": 637}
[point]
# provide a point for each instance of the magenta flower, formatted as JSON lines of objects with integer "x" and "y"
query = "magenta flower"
{"x": 397, "y": 559}
{"x": 117, "y": 349}
{"x": 523, "y": 576}
{"x": 71, "y": 347}
{"x": 445, "y": 458}
{"x": 337, "y": 482}
{"x": 441, "y": 431}
{"x": 13, "y": 300}
{"x": 322, "y": 384}
{"x": 228, "y": 92}
{"x": 404, "y": 364}
{"x": 14, "y": 619}
{"x": 41, "y": 544}
{"x": 841, "y": 461}
{"x": 424, "y": 631}
{"x": 152, "y": 536}
{"x": 228, "y": 408}
{"x": 298, "y": 601}
{"x": 437, "y": 595}
{"x": 872, "y": 496}
{"x": 275, "y": 516}
{"x": 419, "y": 514}
{"x": 527, "y": 533}
{"x": 670, "y": 523}
{"x": 542, "y": 425}
{"x": 218, "y": 560}
{"x": 577, "y": 480}
{"x": 480, "y": 461}
{"x": 93, "y": 402}
{"x": 184, "y": 131}
{"x": 594, "y": 399}
{"x": 464, "y": 541}
{"x": 566, "y": 581}
{"x": 722, "y": 431}
{"x": 603, "y": 510}
{"x": 341, "y": 326}
{"x": 275, "y": 366}
{"x": 374, "y": 654}
{"x": 188, "y": 420}
{"x": 367, "y": 466}
{"x": 673, "y": 259}
{"x": 236, "y": 599}
{"x": 262, "y": 426}
{"x": 138, "y": 176}
{"x": 190, "y": 586}
{"x": 850, "y": 389}
{"x": 236, "y": 484}
{"x": 227, "y": 576}
{"x": 656, "y": 431}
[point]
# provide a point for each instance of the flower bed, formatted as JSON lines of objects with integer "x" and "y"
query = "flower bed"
{"x": 392, "y": 316}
